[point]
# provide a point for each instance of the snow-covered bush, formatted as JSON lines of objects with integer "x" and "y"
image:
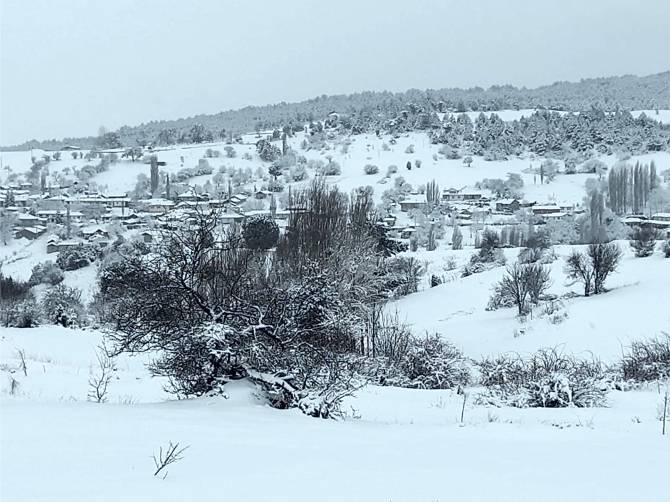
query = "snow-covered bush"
{"x": 19, "y": 313}
{"x": 547, "y": 379}
{"x": 409, "y": 149}
{"x": 46, "y": 273}
{"x": 401, "y": 276}
{"x": 647, "y": 360}
{"x": 62, "y": 305}
{"x": 267, "y": 151}
{"x": 332, "y": 168}
{"x": 665, "y": 247}
{"x": 488, "y": 256}
{"x": 371, "y": 169}
{"x": 77, "y": 257}
{"x": 298, "y": 173}
{"x": 643, "y": 241}
{"x": 432, "y": 363}
{"x": 390, "y": 170}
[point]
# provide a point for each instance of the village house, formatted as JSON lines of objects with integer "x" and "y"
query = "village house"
{"x": 462, "y": 195}
{"x": 95, "y": 232}
{"x": 30, "y": 233}
{"x": 157, "y": 206}
{"x": 508, "y": 206}
{"x": 407, "y": 232}
{"x": 412, "y": 202}
{"x": 546, "y": 209}
{"x": 189, "y": 197}
{"x": 55, "y": 245}
{"x": 59, "y": 216}
{"x": 148, "y": 236}
{"x": 117, "y": 200}
{"x": 263, "y": 194}
{"x": 230, "y": 218}
{"x": 27, "y": 220}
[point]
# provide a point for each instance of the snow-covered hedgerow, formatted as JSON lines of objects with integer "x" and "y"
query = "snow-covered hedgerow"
{"x": 647, "y": 360}
{"x": 433, "y": 363}
{"x": 547, "y": 379}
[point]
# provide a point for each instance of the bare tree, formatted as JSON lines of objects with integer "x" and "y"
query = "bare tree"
{"x": 605, "y": 259}
{"x": 171, "y": 454}
{"x": 98, "y": 382}
{"x": 24, "y": 366}
{"x": 578, "y": 268}
{"x": 523, "y": 284}
{"x": 593, "y": 268}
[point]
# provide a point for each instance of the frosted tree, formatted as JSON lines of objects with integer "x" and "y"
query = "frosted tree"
{"x": 457, "y": 238}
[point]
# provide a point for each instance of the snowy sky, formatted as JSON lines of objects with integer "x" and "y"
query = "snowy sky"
{"x": 71, "y": 66}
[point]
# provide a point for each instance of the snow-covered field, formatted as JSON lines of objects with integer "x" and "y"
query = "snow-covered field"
{"x": 636, "y": 307}
{"x": 397, "y": 445}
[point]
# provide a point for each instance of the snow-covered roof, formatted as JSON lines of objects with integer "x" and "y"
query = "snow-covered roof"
{"x": 414, "y": 199}
{"x": 157, "y": 202}
{"x": 547, "y": 207}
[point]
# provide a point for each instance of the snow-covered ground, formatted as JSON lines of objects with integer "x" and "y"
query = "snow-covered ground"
{"x": 397, "y": 444}
{"x": 636, "y": 307}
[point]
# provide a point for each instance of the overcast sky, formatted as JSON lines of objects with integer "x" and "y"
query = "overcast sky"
{"x": 71, "y": 66}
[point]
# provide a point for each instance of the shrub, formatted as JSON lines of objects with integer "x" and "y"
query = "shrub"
{"x": 402, "y": 275}
{"x": 409, "y": 149}
{"x": 390, "y": 170}
{"x": 647, "y": 360}
{"x": 393, "y": 338}
{"x": 260, "y": 232}
{"x": 530, "y": 255}
{"x": 62, "y": 305}
{"x": 490, "y": 241}
{"x": 371, "y": 169}
{"x": 298, "y": 173}
{"x": 19, "y": 313}
{"x": 547, "y": 379}
{"x": 331, "y": 169}
{"x": 643, "y": 241}
{"x": 432, "y": 363}
{"x": 76, "y": 257}
{"x": 46, "y": 273}
{"x": 230, "y": 152}
{"x": 665, "y": 247}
